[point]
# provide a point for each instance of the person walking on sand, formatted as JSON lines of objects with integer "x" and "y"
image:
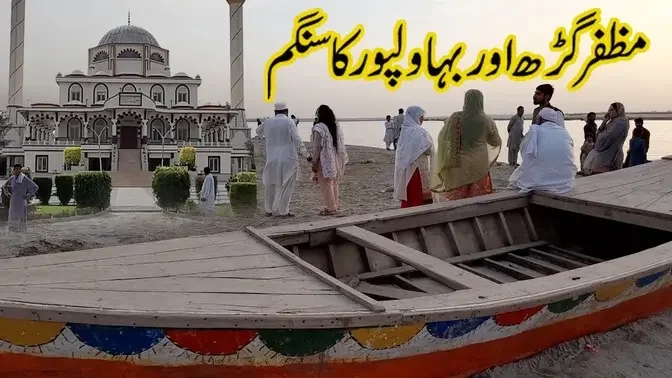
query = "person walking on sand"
{"x": 328, "y": 147}
{"x": 283, "y": 145}
{"x": 515, "y": 129}
{"x": 207, "y": 194}
{"x": 542, "y": 97}
{"x": 469, "y": 145}
{"x": 20, "y": 190}
{"x": 389, "y": 132}
{"x": 414, "y": 161}
{"x": 548, "y": 158}
{"x": 397, "y": 122}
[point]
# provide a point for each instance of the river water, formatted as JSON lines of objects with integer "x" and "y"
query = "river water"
{"x": 371, "y": 134}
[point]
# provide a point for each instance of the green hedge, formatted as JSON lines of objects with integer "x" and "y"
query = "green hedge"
{"x": 245, "y": 177}
{"x": 199, "y": 183}
{"x": 243, "y": 195}
{"x": 93, "y": 189}
{"x": 65, "y": 187}
{"x": 72, "y": 155}
{"x": 188, "y": 156}
{"x": 44, "y": 184}
{"x": 170, "y": 186}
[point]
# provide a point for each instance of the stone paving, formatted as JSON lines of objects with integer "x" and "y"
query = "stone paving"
{"x": 133, "y": 200}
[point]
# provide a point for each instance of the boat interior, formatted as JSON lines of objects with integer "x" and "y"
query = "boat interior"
{"x": 437, "y": 249}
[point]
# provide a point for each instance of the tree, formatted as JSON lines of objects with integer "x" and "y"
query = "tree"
{"x": 4, "y": 129}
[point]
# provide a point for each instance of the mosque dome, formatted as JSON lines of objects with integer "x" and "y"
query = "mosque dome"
{"x": 128, "y": 34}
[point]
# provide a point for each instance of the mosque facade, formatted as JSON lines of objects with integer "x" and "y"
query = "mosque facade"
{"x": 129, "y": 112}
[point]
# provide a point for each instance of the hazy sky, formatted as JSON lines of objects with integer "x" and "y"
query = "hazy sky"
{"x": 59, "y": 33}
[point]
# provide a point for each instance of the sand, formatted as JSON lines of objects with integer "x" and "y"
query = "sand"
{"x": 640, "y": 349}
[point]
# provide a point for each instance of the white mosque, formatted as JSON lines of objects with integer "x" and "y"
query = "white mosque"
{"x": 130, "y": 109}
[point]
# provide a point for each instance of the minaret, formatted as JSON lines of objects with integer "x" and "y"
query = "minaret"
{"x": 15, "y": 93}
{"x": 236, "y": 52}
{"x": 16, "y": 36}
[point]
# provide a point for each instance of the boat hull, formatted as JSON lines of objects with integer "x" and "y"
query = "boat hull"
{"x": 438, "y": 349}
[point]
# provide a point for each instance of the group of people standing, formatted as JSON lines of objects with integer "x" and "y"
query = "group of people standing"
{"x": 393, "y": 129}
{"x": 469, "y": 145}
{"x": 283, "y": 148}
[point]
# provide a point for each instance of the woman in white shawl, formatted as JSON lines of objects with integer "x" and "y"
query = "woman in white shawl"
{"x": 607, "y": 155}
{"x": 414, "y": 161}
{"x": 329, "y": 157}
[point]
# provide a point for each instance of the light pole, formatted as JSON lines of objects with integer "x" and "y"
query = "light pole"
{"x": 163, "y": 139}
{"x": 98, "y": 135}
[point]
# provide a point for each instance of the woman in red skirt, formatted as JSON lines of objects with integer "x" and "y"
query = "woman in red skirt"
{"x": 413, "y": 162}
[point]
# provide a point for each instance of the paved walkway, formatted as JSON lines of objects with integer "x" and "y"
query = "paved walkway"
{"x": 133, "y": 200}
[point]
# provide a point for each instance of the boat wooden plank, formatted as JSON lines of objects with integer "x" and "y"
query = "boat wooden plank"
{"x": 187, "y": 303}
{"x": 555, "y": 259}
{"x": 151, "y": 250}
{"x": 399, "y": 219}
{"x": 387, "y": 292}
{"x": 346, "y": 259}
{"x": 505, "y": 227}
{"x": 489, "y": 274}
{"x": 433, "y": 267}
{"x": 379, "y": 261}
{"x": 519, "y": 230}
{"x": 576, "y": 255}
{"x": 512, "y": 269}
{"x": 454, "y": 260}
{"x": 467, "y": 237}
{"x": 439, "y": 244}
{"x": 195, "y": 285}
{"x": 535, "y": 264}
{"x": 430, "y": 286}
{"x": 329, "y": 280}
{"x": 406, "y": 284}
{"x": 531, "y": 228}
{"x": 494, "y": 235}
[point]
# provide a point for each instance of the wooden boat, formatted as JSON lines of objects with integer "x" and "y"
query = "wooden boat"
{"x": 433, "y": 291}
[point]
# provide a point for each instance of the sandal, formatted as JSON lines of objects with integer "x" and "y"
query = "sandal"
{"x": 326, "y": 213}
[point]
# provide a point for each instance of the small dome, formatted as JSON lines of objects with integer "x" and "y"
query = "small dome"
{"x": 198, "y": 76}
{"x": 59, "y": 75}
{"x": 76, "y": 73}
{"x": 181, "y": 74}
{"x": 128, "y": 34}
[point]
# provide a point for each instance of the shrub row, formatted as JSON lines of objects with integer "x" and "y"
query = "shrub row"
{"x": 90, "y": 189}
{"x": 171, "y": 185}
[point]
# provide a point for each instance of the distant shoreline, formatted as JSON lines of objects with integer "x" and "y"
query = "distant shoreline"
{"x": 649, "y": 116}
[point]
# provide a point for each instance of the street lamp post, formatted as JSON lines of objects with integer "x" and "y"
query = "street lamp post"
{"x": 98, "y": 135}
{"x": 163, "y": 139}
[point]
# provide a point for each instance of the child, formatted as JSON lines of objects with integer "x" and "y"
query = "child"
{"x": 389, "y": 132}
{"x": 637, "y": 151}
{"x": 588, "y": 146}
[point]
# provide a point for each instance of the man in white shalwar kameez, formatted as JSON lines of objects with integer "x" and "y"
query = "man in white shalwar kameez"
{"x": 548, "y": 157}
{"x": 283, "y": 145}
{"x": 208, "y": 193}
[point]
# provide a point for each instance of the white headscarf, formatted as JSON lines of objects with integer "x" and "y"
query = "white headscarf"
{"x": 413, "y": 142}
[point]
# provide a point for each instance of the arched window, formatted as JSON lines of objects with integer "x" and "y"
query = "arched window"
{"x": 75, "y": 92}
{"x": 182, "y": 130}
{"x": 100, "y": 93}
{"x": 101, "y": 127}
{"x": 182, "y": 94}
{"x": 129, "y": 54}
{"x": 158, "y": 93}
{"x": 129, "y": 88}
{"x": 101, "y": 56}
{"x": 75, "y": 129}
{"x": 158, "y": 128}
{"x": 156, "y": 57}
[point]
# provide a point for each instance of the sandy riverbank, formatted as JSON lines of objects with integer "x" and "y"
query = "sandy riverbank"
{"x": 636, "y": 350}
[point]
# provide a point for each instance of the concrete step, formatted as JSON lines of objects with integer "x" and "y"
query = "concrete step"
{"x": 139, "y": 179}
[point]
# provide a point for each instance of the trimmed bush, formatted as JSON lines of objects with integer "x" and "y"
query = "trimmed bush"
{"x": 199, "y": 183}
{"x": 93, "y": 189}
{"x": 243, "y": 195}
{"x": 170, "y": 186}
{"x": 44, "y": 184}
{"x": 188, "y": 157}
{"x": 65, "y": 187}
{"x": 245, "y": 177}
{"x": 72, "y": 155}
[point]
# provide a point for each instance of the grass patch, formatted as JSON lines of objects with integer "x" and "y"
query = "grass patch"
{"x": 56, "y": 210}
{"x": 224, "y": 210}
